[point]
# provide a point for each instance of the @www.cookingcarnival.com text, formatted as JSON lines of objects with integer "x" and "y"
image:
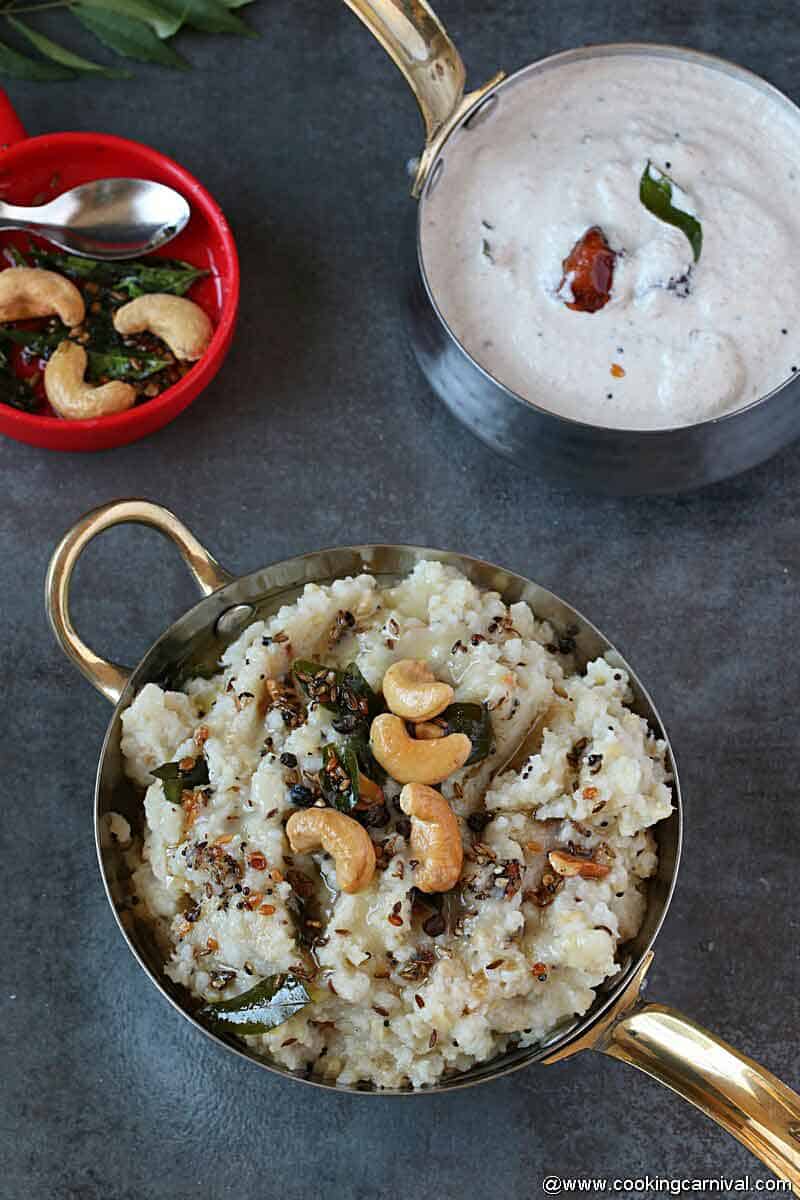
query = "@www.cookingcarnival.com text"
{"x": 655, "y": 1185}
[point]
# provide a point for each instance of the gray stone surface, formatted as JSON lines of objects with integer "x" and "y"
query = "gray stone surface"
{"x": 320, "y": 431}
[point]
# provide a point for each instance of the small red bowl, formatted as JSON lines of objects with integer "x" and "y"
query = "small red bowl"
{"x": 32, "y": 170}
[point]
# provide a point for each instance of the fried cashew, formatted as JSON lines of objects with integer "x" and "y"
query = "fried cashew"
{"x": 344, "y": 839}
{"x": 564, "y": 863}
{"x": 435, "y": 838}
{"x": 179, "y": 322}
{"x": 72, "y": 397}
{"x": 413, "y": 692}
{"x": 429, "y": 731}
{"x": 409, "y": 760}
{"x": 369, "y": 791}
{"x": 27, "y": 292}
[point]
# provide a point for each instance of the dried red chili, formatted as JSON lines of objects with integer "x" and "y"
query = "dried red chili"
{"x": 589, "y": 272}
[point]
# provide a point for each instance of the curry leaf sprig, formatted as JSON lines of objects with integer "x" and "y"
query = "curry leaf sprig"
{"x": 132, "y": 279}
{"x": 134, "y": 29}
{"x": 656, "y": 194}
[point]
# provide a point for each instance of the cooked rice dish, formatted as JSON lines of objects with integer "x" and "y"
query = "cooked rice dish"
{"x": 396, "y": 833}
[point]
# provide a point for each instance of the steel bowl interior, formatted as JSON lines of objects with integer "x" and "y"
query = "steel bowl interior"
{"x": 198, "y": 638}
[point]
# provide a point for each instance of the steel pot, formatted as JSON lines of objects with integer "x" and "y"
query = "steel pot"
{"x": 736, "y": 1092}
{"x": 568, "y": 452}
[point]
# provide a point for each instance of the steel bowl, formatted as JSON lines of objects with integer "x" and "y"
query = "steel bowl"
{"x": 565, "y": 451}
{"x": 741, "y": 1096}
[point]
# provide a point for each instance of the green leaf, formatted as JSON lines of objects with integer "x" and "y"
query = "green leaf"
{"x": 156, "y": 15}
{"x": 134, "y": 278}
{"x": 209, "y": 16}
{"x": 13, "y": 391}
{"x": 338, "y": 779}
{"x": 176, "y": 780}
{"x": 60, "y": 54}
{"x": 263, "y": 1007}
{"x": 474, "y": 721}
{"x": 19, "y": 66}
{"x": 345, "y": 693}
{"x": 109, "y": 364}
{"x": 655, "y": 193}
{"x": 132, "y": 368}
{"x": 236, "y": 3}
{"x": 38, "y": 342}
{"x": 127, "y": 36}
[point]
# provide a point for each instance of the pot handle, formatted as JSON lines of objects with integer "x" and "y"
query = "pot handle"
{"x": 11, "y": 128}
{"x": 741, "y": 1096}
{"x": 109, "y": 677}
{"x": 414, "y": 38}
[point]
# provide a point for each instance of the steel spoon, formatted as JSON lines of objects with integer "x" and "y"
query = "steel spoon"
{"x": 109, "y": 219}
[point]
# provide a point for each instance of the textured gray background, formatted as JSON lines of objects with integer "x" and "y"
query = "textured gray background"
{"x": 319, "y": 431}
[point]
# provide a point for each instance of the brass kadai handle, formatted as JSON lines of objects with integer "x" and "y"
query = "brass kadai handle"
{"x": 109, "y": 677}
{"x": 414, "y": 38}
{"x": 741, "y": 1096}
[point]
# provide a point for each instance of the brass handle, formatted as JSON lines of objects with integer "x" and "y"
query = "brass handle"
{"x": 414, "y": 38}
{"x": 742, "y": 1097}
{"x": 109, "y": 677}
{"x": 732, "y": 1089}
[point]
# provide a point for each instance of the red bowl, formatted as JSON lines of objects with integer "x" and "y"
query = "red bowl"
{"x": 32, "y": 170}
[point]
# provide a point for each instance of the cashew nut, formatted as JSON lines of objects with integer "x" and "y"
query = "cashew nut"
{"x": 344, "y": 839}
{"x": 429, "y": 731}
{"x": 435, "y": 838}
{"x": 72, "y": 397}
{"x": 369, "y": 790}
{"x": 413, "y": 692}
{"x": 411, "y": 761}
{"x": 30, "y": 292}
{"x": 179, "y": 322}
{"x": 564, "y": 863}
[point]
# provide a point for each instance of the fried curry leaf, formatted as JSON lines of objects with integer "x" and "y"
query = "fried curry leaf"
{"x": 655, "y": 193}
{"x": 338, "y": 779}
{"x": 345, "y": 692}
{"x": 265, "y": 1006}
{"x": 131, "y": 367}
{"x": 134, "y": 278}
{"x": 13, "y": 391}
{"x": 475, "y": 722}
{"x": 39, "y": 343}
{"x": 176, "y": 780}
{"x": 103, "y": 364}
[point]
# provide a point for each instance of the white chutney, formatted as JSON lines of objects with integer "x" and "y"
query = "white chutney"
{"x": 563, "y": 151}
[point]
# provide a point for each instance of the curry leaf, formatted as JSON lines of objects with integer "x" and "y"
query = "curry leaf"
{"x": 128, "y": 36}
{"x": 13, "y": 391}
{"x": 134, "y": 278}
{"x": 655, "y": 193}
{"x": 59, "y": 54}
{"x": 103, "y": 364}
{"x": 38, "y": 342}
{"x": 338, "y": 779}
{"x": 132, "y": 368}
{"x": 209, "y": 16}
{"x": 475, "y": 722}
{"x": 19, "y": 66}
{"x": 176, "y": 780}
{"x": 160, "y": 18}
{"x": 265, "y": 1006}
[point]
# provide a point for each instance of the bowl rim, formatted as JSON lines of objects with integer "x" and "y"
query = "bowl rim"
{"x": 230, "y": 595}
{"x": 174, "y": 398}
{"x": 714, "y": 62}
